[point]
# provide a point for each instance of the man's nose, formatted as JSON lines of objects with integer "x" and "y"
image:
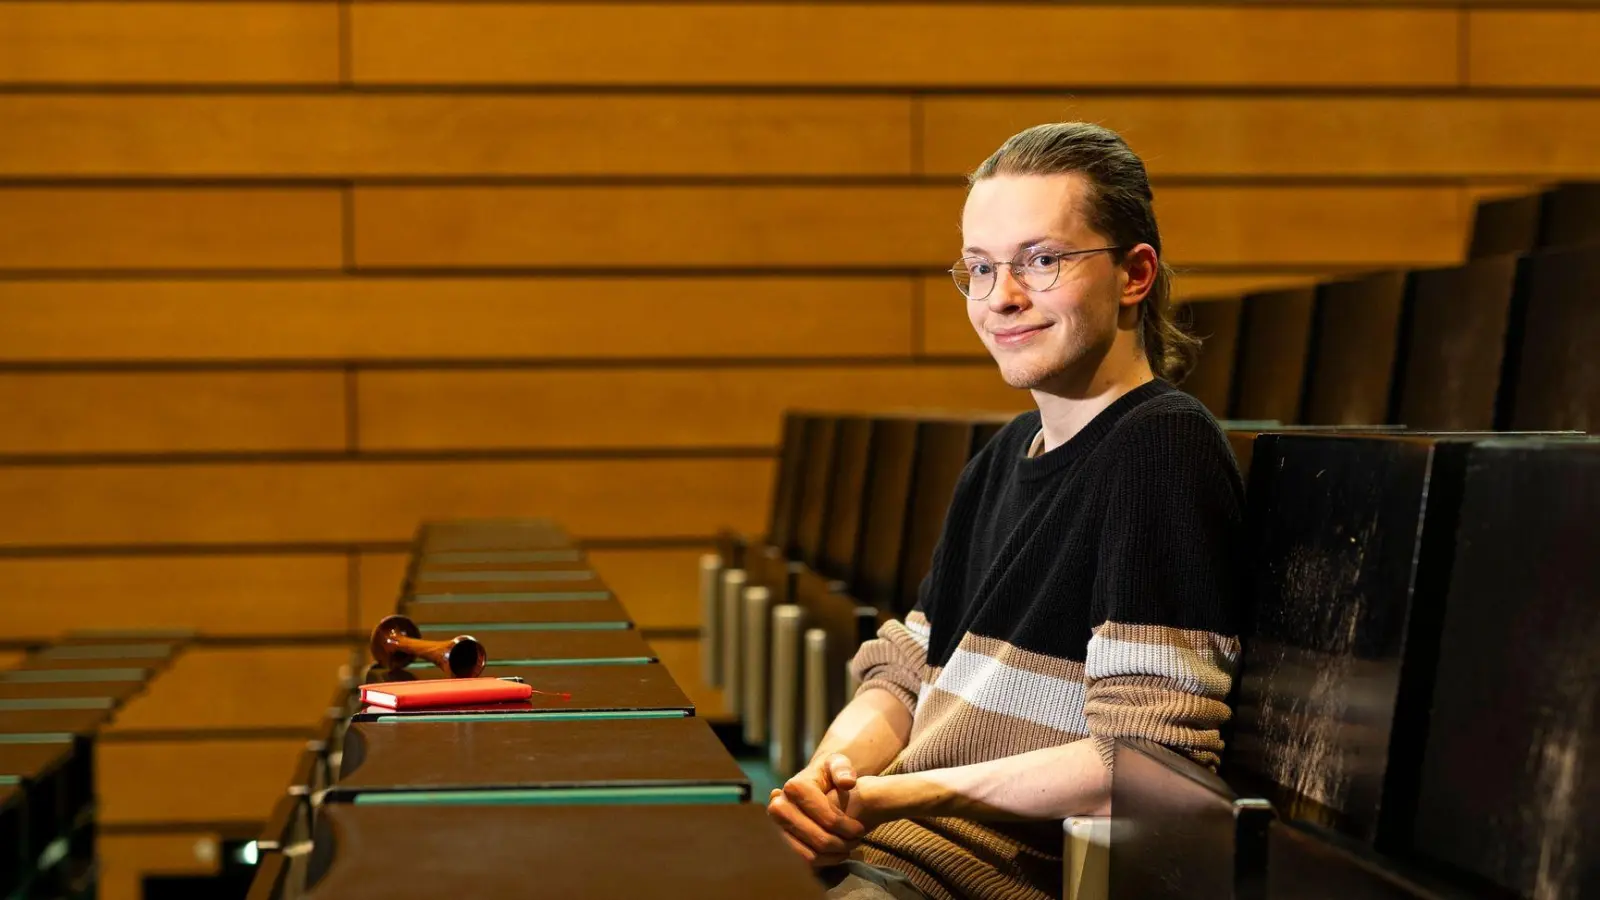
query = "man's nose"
{"x": 1008, "y": 293}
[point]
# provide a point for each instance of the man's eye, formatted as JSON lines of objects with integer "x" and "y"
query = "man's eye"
{"x": 981, "y": 268}
{"x": 1044, "y": 261}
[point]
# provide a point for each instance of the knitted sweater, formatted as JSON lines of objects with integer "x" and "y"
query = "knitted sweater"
{"x": 1091, "y": 592}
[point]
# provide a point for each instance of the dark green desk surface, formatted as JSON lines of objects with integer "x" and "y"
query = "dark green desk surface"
{"x": 564, "y": 556}
{"x": 493, "y": 534}
{"x": 572, "y": 852}
{"x": 52, "y": 721}
{"x": 490, "y": 755}
{"x": 85, "y": 655}
{"x": 501, "y": 647}
{"x": 137, "y": 674}
{"x": 55, "y": 663}
{"x": 28, "y": 761}
{"x": 587, "y": 588}
{"x": 593, "y": 688}
{"x": 533, "y": 573}
{"x": 435, "y": 569}
{"x": 113, "y": 691}
{"x": 567, "y": 613}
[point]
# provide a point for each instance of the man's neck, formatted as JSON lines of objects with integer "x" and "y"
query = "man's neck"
{"x": 1064, "y": 410}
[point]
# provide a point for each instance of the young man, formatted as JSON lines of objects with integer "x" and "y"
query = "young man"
{"x": 1085, "y": 584}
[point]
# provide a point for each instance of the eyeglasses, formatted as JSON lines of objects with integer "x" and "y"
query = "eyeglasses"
{"x": 976, "y": 276}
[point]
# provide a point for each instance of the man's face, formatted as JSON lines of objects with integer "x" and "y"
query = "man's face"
{"x": 1039, "y": 336}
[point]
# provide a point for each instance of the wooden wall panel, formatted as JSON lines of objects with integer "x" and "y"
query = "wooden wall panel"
{"x": 10, "y": 659}
{"x": 1533, "y": 48}
{"x": 946, "y": 330}
{"x": 659, "y": 587}
{"x": 169, "y": 43}
{"x": 840, "y": 226}
{"x": 80, "y": 228}
{"x": 884, "y": 44}
{"x": 643, "y": 407}
{"x": 655, "y": 227}
{"x": 378, "y": 588}
{"x": 215, "y": 595}
{"x": 440, "y": 319}
{"x": 342, "y": 135}
{"x": 238, "y": 688}
{"x": 681, "y": 656}
{"x": 123, "y": 860}
{"x": 146, "y": 782}
{"x": 372, "y": 502}
{"x": 249, "y": 135}
{"x": 1312, "y": 226}
{"x": 1292, "y": 136}
{"x": 167, "y": 412}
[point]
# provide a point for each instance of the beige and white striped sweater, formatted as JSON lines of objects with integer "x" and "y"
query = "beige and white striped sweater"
{"x": 1063, "y": 605}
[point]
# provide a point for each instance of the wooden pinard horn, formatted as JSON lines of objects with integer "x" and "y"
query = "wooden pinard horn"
{"x": 397, "y": 643}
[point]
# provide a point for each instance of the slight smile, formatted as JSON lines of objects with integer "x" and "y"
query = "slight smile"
{"x": 1012, "y": 337}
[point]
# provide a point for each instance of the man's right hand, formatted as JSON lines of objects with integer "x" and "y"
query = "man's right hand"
{"x": 810, "y": 810}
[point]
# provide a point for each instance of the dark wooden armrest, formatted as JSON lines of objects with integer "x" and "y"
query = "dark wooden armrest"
{"x": 1181, "y": 831}
{"x": 1306, "y": 863}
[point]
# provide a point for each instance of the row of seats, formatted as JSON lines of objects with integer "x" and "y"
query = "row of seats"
{"x": 53, "y": 704}
{"x": 857, "y": 505}
{"x": 605, "y": 784}
{"x": 1494, "y": 344}
{"x": 1415, "y": 601}
{"x": 1415, "y": 709}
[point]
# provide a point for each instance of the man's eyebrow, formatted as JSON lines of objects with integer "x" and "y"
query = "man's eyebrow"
{"x": 1021, "y": 245}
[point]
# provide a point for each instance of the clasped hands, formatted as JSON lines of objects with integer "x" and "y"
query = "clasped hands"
{"x": 822, "y": 810}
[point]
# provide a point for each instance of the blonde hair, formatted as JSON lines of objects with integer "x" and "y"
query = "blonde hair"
{"x": 1121, "y": 207}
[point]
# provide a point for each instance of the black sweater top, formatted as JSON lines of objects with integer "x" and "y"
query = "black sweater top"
{"x": 1091, "y": 592}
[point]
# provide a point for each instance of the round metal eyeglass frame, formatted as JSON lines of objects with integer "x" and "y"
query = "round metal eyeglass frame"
{"x": 959, "y": 271}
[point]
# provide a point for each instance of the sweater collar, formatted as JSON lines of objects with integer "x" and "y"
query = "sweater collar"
{"x": 1090, "y": 435}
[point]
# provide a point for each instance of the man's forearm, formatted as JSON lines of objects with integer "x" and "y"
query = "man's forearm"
{"x": 1052, "y": 783}
{"x": 871, "y": 730}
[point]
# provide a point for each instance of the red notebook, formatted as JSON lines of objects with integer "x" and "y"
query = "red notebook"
{"x": 443, "y": 692}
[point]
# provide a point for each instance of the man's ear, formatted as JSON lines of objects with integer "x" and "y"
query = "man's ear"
{"x": 1140, "y": 266}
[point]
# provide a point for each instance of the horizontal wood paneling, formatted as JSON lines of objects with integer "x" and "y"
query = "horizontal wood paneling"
{"x": 238, "y": 687}
{"x": 659, "y": 588}
{"x": 946, "y": 330}
{"x": 1533, "y": 48}
{"x": 250, "y": 135}
{"x": 10, "y": 659}
{"x": 645, "y": 407}
{"x": 123, "y": 860}
{"x": 750, "y": 227}
{"x": 215, "y": 595}
{"x": 364, "y": 501}
{"x": 1312, "y": 225}
{"x": 144, "y": 412}
{"x": 169, "y": 43}
{"x": 193, "y": 781}
{"x": 681, "y": 656}
{"x": 1189, "y": 285}
{"x": 378, "y": 588}
{"x": 1292, "y": 136}
{"x": 871, "y": 226}
{"x": 246, "y": 135}
{"x": 158, "y": 228}
{"x": 886, "y": 44}
{"x": 405, "y": 319}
